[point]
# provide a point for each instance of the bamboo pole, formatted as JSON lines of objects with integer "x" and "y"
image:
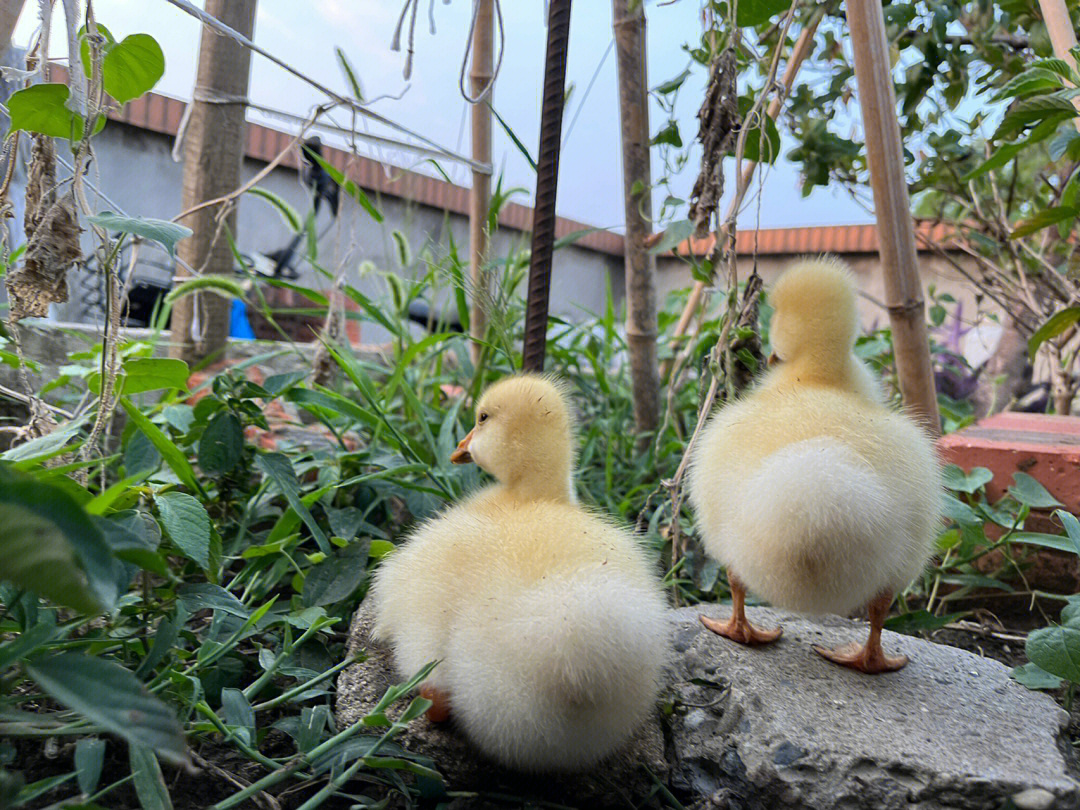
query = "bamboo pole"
{"x": 896, "y": 232}
{"x": 213, "y": 154}
{"x": 1062, "y": 36}
{"x": 547, "y": 180}
{"x": 799, "y": 53}
{"x": 480, "y": 78}
{"x": 628, "y": 18}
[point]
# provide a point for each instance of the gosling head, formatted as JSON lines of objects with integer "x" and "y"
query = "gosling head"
{"x": 815, "y": 319}
{"x": 524, "y": 437}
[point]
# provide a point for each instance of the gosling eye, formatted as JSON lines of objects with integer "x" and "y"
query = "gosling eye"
{"x": 482, "y": 418}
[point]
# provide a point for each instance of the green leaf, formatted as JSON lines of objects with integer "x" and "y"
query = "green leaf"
{"x": 111, "y": 696}
{"x": 1054, "y": 326}
{"x": 1070, "y": 614}
{"x": 756, "y": 12}
{"x": 204, "y": 596}
{"x": 219, "y": 285}
{"x": 1058, "y": 66}
{"x": 1061, "y": 143}
{"x": 169, "y": 451}
{"x": 89, "y": 760}
{"x": 1043, "y": 540}
{"x": 380, "y": 548}
{"x": 288, "y": 213}
{"x": 147, "y": 374}
{"x": 238, "y": 712}
{"x": 512, "y": 136}
{"x": 148, "y": 779}
{"x": 132, "y": 67}
{"x": 1044, "y": 219}
{"x": 181, "y": 417}
{"x": 1056, "y": 649}
{"x": 1031, "y": 493}
{"x": 165, "y": 233}
{"x": 336, "y": 577}
{"x": 84, "y": 46}
{"x": 1034, "y": 677}
{"x": 671, "y": 85}
{"x": 1006, "y": 152}
{"x": 153, "y": 373}
{"x": 919, "y": 621}
{"x": 187, "y": 523}
{"x": 1072, "y": 527}
{"x": 675, "y": 234}
{"x": 51, "y": 546}
{"x": 1054, "y": 107}
{"x": 222, "y": 444}
{"x": 1033, "y": 80}
{"x": 761, "y": 149}
{"x": 956, "y": 479}
{"x": 348, "y": 186}
{"x": 350, "y": 75}
{"x": 38, "y": 557}
{"x": 140, "y": 455}
{"x": 279, "y": 469}
{"x": 668, "y": 135}
{"x": 43, "y": 108}
{"x": 47, "y": 446}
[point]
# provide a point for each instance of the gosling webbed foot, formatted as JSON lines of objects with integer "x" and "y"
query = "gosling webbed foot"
{"x": 740, "y": 630}
{"x": 863, "y": 657}
{"x": 439, "y": 711}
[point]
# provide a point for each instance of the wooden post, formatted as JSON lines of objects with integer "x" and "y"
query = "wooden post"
{"x": 896, "y": 232}
{"x": 798, "y": 54}
{"x": 213, "y": 155}
{"x": 1062, "y": 36}
{"x": 641, "y": 327}
{"x": 480, "y": 78}
{"x": 9, "y": 15}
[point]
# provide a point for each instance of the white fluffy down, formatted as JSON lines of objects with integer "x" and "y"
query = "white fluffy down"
{"x": 548, "y": 623}
{"x": 830, "y": 507}
{"x": 557, "y": 676}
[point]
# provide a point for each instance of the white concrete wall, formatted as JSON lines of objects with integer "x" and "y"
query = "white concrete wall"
{"x": 135, "y": 170}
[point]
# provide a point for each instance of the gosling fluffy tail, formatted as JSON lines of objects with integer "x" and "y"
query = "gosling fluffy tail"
{"x": 557, "y": 676}
{"x": 818, "y": 508}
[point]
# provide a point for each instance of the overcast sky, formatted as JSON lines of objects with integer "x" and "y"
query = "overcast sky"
{"x": 304, "y": 34}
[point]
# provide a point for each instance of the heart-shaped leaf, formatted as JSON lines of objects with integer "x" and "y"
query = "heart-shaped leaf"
{"x": 132, "y": 67}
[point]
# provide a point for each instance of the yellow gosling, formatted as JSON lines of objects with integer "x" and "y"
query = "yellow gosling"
{"x": 548, "y": 621}
{"x": 809, "y": 490}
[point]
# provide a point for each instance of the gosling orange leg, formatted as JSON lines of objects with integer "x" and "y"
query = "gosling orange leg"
{"x": 737, "y": 628}
{"x": 439, "y": 711}
{"x": 868, "y": 658}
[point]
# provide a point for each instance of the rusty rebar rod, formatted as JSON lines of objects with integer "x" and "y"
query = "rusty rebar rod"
{"x": 547, "y": 179}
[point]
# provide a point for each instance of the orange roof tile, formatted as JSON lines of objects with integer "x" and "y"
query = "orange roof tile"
{"x": 821, "y": 239}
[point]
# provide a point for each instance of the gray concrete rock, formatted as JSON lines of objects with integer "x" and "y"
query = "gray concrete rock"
{"x": 778, "y": 726}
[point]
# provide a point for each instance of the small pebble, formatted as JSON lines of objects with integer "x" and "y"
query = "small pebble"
{"x": 1034, "y": 799}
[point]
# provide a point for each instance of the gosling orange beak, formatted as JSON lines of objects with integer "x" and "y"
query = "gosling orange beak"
{"x": 773, "y": 359}
{"x": 462, "y": 455}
